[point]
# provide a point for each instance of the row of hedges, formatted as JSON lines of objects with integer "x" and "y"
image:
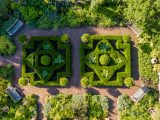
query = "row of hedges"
{"x": 105, "y": 72}
{"x": 45, "y": 71}
{"x": 83, "y": 107}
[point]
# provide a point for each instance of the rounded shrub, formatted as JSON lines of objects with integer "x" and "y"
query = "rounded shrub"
{"x": 23, "y": 81}
{"x": 65, "y": 38}
{"x": 104, "y": 59}
{"x": 45, "y": 60}
{"x": 85, "y": 82}
{"x": 85, "y": 38}
{"x": 63, "y": 81}
{"x": 22, "y": 38}
{"x": 128, "y": 81}
{"x": 126, "y": 38}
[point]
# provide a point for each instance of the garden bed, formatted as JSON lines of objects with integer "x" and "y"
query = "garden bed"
{"x": 109, "y": 58}
{"x": 48, "y": 57}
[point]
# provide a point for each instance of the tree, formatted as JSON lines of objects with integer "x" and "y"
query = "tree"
{"x": 4, "y": 8}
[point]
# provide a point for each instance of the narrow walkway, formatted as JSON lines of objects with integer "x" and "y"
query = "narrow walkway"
{"x": 74, "y": 86}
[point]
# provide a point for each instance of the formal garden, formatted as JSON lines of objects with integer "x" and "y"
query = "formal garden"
{"x": 46, "y": 61}
{"x": 104, "y": 61}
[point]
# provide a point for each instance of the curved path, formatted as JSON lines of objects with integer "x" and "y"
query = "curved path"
{"x": 74, "y": 86}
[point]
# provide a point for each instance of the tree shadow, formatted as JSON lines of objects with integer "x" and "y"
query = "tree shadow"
{"x": 53, "y": 91}
{"x": 114, "y": 92}
{"x": 92, "y": 91}
{"x": 134, "y": 61}
{"x": 40, "y": 115}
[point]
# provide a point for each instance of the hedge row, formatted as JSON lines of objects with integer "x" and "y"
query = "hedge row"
{"x": 38, "y": 69}
{"x": 122, "y": 43}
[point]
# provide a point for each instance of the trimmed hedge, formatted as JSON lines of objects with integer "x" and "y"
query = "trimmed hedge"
{"x": 119, "y": 58}
{"x": 43, "y": 69}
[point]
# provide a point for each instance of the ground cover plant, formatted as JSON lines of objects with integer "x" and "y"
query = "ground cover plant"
{"x": 83, "y": 107}
{"x": 46, "y": 61}
{"x": 105, "y": 60}
{"x": 128, "y": 110}
{"x": 25, "y": 109}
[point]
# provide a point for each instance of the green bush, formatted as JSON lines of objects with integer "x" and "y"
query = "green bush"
{"x": 22, "y": 38}
{"x": 85, "y": 82}
{"x": 126, "y": 38}
{"x": 63, "y": 81}
{"x": 65, "y": 38}
{"x": 85, "y": 38}
{"x": 145, "y": 47}
{"x": 23, "y": 81}
{"x": 104, "y": 59}
{"x": 45, "y": 60}
{"x": 128, "y": 81}
{"x": 6, "y": 46}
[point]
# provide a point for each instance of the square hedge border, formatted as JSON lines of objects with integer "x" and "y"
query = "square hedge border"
{"x": 122, "y": 43}
{"x": 60, "y": 46}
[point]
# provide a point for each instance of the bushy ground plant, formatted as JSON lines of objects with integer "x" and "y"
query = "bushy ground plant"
{"x": 7, "y": 47}
{"x": 128, "y": 110}
{"x": 83, "y": 107}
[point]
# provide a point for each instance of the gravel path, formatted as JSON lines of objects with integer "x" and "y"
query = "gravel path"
{"x": 74, "y": 86}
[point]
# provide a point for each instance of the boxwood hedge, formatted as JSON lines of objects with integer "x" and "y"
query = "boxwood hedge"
{"x": 116, "y": 70}
{"x": 38, "y": 69}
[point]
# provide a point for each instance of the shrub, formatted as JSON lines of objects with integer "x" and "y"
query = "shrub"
{"x": 85, "y": 38}
{"x": 128, "y": 81}
{"x": 145, "y": 47}
{"x": 6, "y": 46}
{"x": 124, "y": 102}
{"x": 104, "y": 59}
{"x": 23, "y": 81}
{"x": 156, "y": 67}
{"x": 22, "y": 38}
{"x": 65, "y": 38}
{"x": 126, "y": 38}
{"x": 64, "y": 81}
{"x": 85, "y": 82}
{"x": 45, "y": 60}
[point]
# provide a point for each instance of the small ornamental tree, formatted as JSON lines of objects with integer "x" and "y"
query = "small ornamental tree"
{"x": 64, "y": 81}
{"x": 65, "y": 38}
{"x": 128, "y": 81}
{"x": 23, "y": 81}
{"x": 85, "y": 38}
{"x": 104, "y": 59}
{"x": 126, "y": 38}
{"x": 85, "y": 82}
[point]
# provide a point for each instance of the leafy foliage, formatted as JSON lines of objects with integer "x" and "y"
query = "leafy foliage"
{"x": 77, "y": 106}
{"x": 140, "y": 110}
{"x": 7, "y": 47}
{"x": 23, "y": 81}
{"x": 128, "y": 81}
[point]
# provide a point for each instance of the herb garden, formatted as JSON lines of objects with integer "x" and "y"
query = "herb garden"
{"x": 46, "y": 61}
{"x": 105, "y": 60}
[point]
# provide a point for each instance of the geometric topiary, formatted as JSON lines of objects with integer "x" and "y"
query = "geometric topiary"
{"x": 65, "y": 38}
{"x": 45, "y": 60}
{"x": 63, "y": 81}
{"x": 128, "y": 82}
{"x": 84, "y": 82}
{"x": 23, "y": 81}
{"x": 85, "y": 38}
{"x": 104, "y": 59}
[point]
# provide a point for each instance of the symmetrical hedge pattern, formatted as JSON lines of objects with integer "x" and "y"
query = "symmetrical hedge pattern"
{"x": 46, "y": 60}
{"x": 105, "y": 60}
